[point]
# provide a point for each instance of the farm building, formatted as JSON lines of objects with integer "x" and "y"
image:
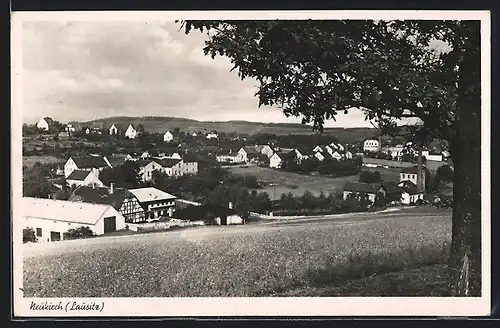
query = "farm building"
{"x": 45, "y": 123}
{"x": 156, "y": 203}
{"x": 358, "y": 188}
{"x": 371, "y": 145}
{"x": 91, "y": 163}
{"x": 131, "y": 132}
{"x": 168, "y": 136}
{"x": 217, "y": 214}
{"x": 120, "y": 199}
{"x": 51, "y": 218}
{"x": 83, "y": 178}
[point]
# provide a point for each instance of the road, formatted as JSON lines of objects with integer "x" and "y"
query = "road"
{"x": 195, "y": 234}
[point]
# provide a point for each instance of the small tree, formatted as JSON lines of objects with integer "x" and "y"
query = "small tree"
{"x": 29, "y": 235}
{"x": 444, "y": 173}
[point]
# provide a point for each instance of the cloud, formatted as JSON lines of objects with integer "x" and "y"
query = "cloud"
{"x": 83, "y": 70}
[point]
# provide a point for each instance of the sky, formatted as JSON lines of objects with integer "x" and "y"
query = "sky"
{"x": 87, "y": 70}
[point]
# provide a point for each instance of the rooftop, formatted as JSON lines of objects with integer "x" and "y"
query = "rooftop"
{"x": 371, "y": 188}
{"x": 78, "y": 175}
{"x": 89, "y": 162}
{"x": 61, "y": 210}
{"x": 100, "y": 196}
{"x": 151, "y": 194}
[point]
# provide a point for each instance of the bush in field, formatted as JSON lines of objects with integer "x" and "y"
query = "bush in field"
{"x": 78, "y": 233}
{"x": 29, "y": 235}
{"x": 370, "y": 177}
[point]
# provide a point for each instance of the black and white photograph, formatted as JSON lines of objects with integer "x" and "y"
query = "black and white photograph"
{"x": 251, "y": 163}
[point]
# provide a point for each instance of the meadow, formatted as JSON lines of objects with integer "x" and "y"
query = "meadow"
{"x": 252, "y": 260}
{"x": 297, "y": 184}
{"x": 29, "y": 161}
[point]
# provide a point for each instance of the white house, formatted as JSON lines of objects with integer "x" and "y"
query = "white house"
{"x": 396, "y": 151}
{"x": 319, "y": 156}
{"x": 275, "y": 161}
{"x": 371, "y": 145}
{"x": 232, "y": 158}
{"x": 51, "y": 218}
{"x": 212, "y": 136}
{"x": 336, "y": 156}
{"x": 156, "y": 203}
{"x": 44, "y": 123}
{"x": 267, "y": 150}
{"x": 194, "y": 134}
{"x": 249, "y": 153}
{"x": 230, "y": 217}
{"x": 317, "y": 149}
{"x": 411, "y": 196}
{"x": 172, "y": 167}
{"x": 131, "y": 132}
{"x": 113, "y": 130}
{"x": 147, "y": 167}
{"x": 83, "y": 178}
{"x": 340, "y": 147}
{"x": 348, "y": 155}
{"x": 70, "y": 127}
{"x": 90, "y": 163}
{"x": 410, "y": 174}
{"x": 168, "y": 136}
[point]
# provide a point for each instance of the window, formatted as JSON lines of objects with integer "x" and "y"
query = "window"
{"x": 39, "y": 232}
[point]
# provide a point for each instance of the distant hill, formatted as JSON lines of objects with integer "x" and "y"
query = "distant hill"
{"x": 162, "y": 124}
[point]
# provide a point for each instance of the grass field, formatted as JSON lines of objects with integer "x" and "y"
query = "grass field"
{"x": 306, "y": 259}
{"x": 29, "y": 161}
{"x": 298, "y": 183}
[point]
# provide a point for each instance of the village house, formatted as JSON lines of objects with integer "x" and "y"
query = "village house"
{"x": 131, "y": 132}
{"x": 317, "y": 149}
{"x": 276, "y": 160}
{"x": 336, "y": 155}
{"x": 371, "y": 145}
{"x": 410, "y": 174}
{"x": 147, "y": 167}
{"x": 156, "y": 203}
{"x": 45, "y": 123}
{"x": 189, "y": 167}
{"x": 267, "y": 150}
{"x": 113, "y": 130}
{"x": 72, "y": 127}
{"x": 409, "y": 192}
{"x": 212, "y": 135}
{"x": 194, "y": 134}
{"x": 172, "y": 167}
{"x": 348, "y": 154}
{"x": 319, "y": 156}
{"x": 220, "y": 215}
{"x": 83, "y": 178}
{"x": 51, "y": 218}
{"x": 395, "y": 152}
{"x": 360, "y": 188}
{"x": 120, "y": 199}
{"x": 90, "y": 163}
{"x": 249, "y": 153}
{"x": 231, "y": 158}
{"x": 168, "y": 136}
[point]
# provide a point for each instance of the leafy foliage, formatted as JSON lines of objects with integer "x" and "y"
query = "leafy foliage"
{"x": 370, "y": 176}
{"x": 78, "y": 233}
{"x": 29, "y": 235}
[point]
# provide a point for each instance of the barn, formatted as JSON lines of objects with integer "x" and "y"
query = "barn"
{"x": 50, "y": 218}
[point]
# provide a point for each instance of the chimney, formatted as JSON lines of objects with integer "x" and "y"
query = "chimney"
{"x": 93, "y": 186}
{"x": 111, "y": 188}
{"x": 420, "y": 172}
{"x": 230, "y": 205}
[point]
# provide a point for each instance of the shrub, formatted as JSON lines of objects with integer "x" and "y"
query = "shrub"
{"x": 78, "y": 233}
{"x": 29, "y": 235}
{"x": 370, "y": 177}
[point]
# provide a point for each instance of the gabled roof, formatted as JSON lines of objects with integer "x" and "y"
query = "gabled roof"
{"x": 251, "y": 150}
{"x": 49, "y": 120}
{"x": 146, "y": 161}
{"x": 150, "y": 194}
{"x": 78, "y": 175}
{"x": 371, "y": 188}
{"x": 89, "y": 162}
{"x": 100, "y": 196}
{"x": 61, "y": 210}
{"x": 116, "y": 160}
{"x": 169, "y": 162}
{"x": 391, "y": 187}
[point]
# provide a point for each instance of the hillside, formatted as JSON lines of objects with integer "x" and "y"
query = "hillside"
{"x": 162, "y": 124}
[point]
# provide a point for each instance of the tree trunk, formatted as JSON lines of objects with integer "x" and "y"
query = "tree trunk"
{"x": 465, "y": 259}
